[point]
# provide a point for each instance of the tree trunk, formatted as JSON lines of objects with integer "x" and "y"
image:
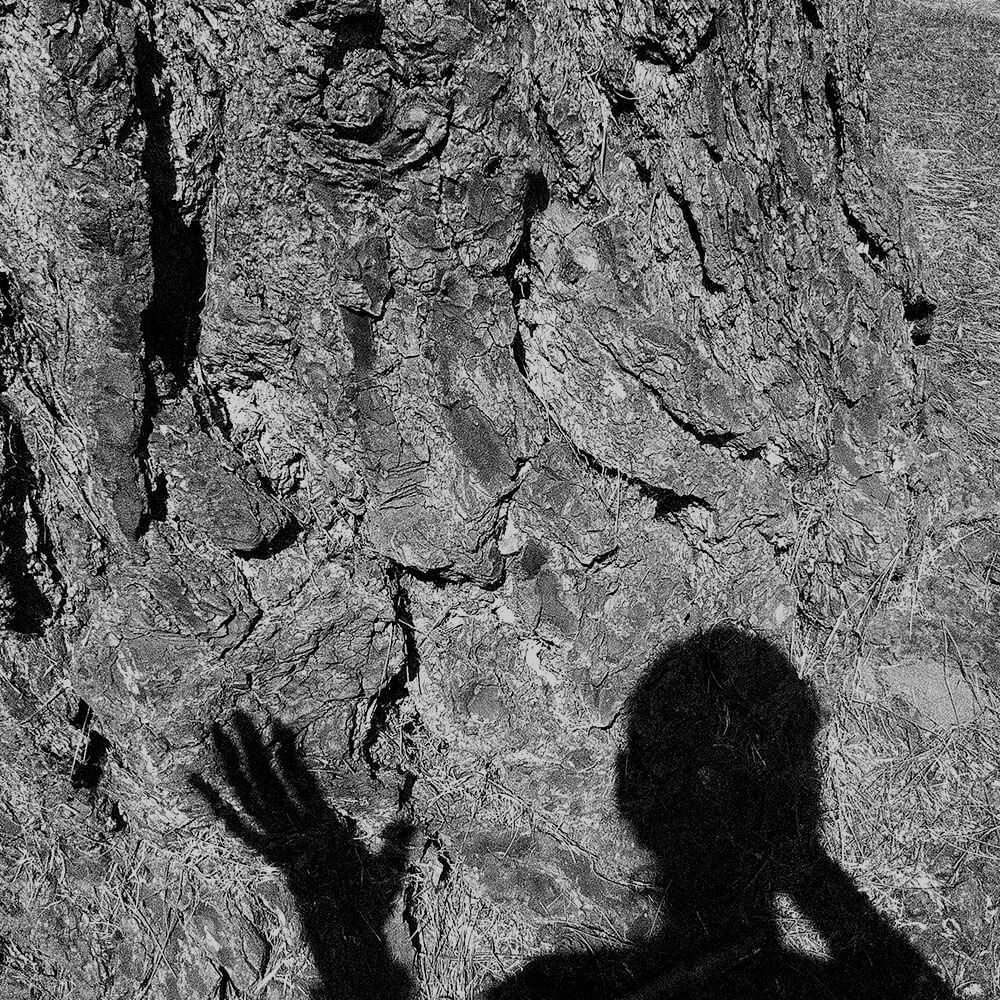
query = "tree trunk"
{"x": 410, "y": 372}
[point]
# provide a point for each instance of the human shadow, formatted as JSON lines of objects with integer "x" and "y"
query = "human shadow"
{"x": 718, "y": 781}
{"x": 344, "y": 893}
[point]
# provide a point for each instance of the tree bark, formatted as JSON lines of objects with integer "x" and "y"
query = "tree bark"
{"x": 410, "y": 371}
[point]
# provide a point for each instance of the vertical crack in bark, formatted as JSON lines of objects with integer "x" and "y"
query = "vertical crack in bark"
{"x": 835, "y": 101}
{"x": 918, "y": 310}
{"x": 24, "y": 560}
{"x": 517, "y": 271}
{"x": 90, "y": 759}
{"x": 403, "y": 616}
{"x": 919, "y": 313}
{"x": 811, "y": 13}
{"x": 874, "y": 252}
{"x": 697, "y": 239}
{"x": 171, "y": 321}
{"x": 518, "y": 352}
{"x": 394, "y": 688}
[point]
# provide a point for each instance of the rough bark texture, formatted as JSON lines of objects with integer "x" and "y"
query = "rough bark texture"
{"x": 411, "y": 372}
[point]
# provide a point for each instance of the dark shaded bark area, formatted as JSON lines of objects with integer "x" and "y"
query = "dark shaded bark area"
{"x": 411, "y": 372}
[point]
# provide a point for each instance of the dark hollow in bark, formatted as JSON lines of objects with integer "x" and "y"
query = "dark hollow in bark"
{"x": 171, "y": 321}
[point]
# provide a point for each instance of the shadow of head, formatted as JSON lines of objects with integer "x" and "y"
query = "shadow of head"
{"x": 717, "y": 777}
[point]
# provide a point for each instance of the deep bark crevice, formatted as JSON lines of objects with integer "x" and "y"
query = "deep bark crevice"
{"x": 811, "y": 13}
{"x": 873, "y": 249}
{"x": 358, "y": 328}
{"x": 156, "y": 500}
{"x": 919, "y": 313}
{"x": 517, "y": 271}
{"x": 28, "y": 608}
{"x": 694, "y": 229}
{"x": 643, "y": 170}
{"x": 650, "y": 49}
{"x": 283, "y": 539}
{"x": 171, "y": 320}
{"x": 668, "y": 502}
{"x": 835, "y": 101}
{"x": 711, "y": 439}
{"x": 621, "y": 100}
{"x": 358, "y": 31}
{"x": 385, "y": 701}
{"x": 10, "y": 308}
{"x": 89, "y": 762}
{"x": 517, "y": 350}
{"x": 403, "y": 616}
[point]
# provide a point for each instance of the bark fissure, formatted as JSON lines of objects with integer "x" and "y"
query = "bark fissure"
{"x": 517, "y": 271}
{"x": 697, "y": 239}
{"x": 651, "y": 50}
{"x": 835, "y": 102}
{"x": 875, "y": 253}
{"x": 919, "y": 312}
{"x": 667, "y": 501}
{"x": 383, "y": 705}
{"x": 171, "y": 320}
{"x": 812, "y": 14}
{"x": 25, "y": 605}
{"x": 90, "y": 758}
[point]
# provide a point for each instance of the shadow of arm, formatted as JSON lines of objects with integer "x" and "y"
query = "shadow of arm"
{"x": 869, "y": 957}
{"x": 345, "y": 894}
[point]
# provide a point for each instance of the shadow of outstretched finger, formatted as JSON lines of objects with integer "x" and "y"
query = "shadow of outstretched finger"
{"x": 345, "y": 893}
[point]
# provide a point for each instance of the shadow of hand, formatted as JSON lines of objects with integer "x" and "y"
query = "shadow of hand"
{"x": 345, "y": 894}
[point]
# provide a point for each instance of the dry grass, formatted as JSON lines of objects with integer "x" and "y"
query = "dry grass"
{"x": 917, "y": 801}
{"x": 912, "y": 807}
{"x": 938, "y": 93}
{"x": 917, "y": 827}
